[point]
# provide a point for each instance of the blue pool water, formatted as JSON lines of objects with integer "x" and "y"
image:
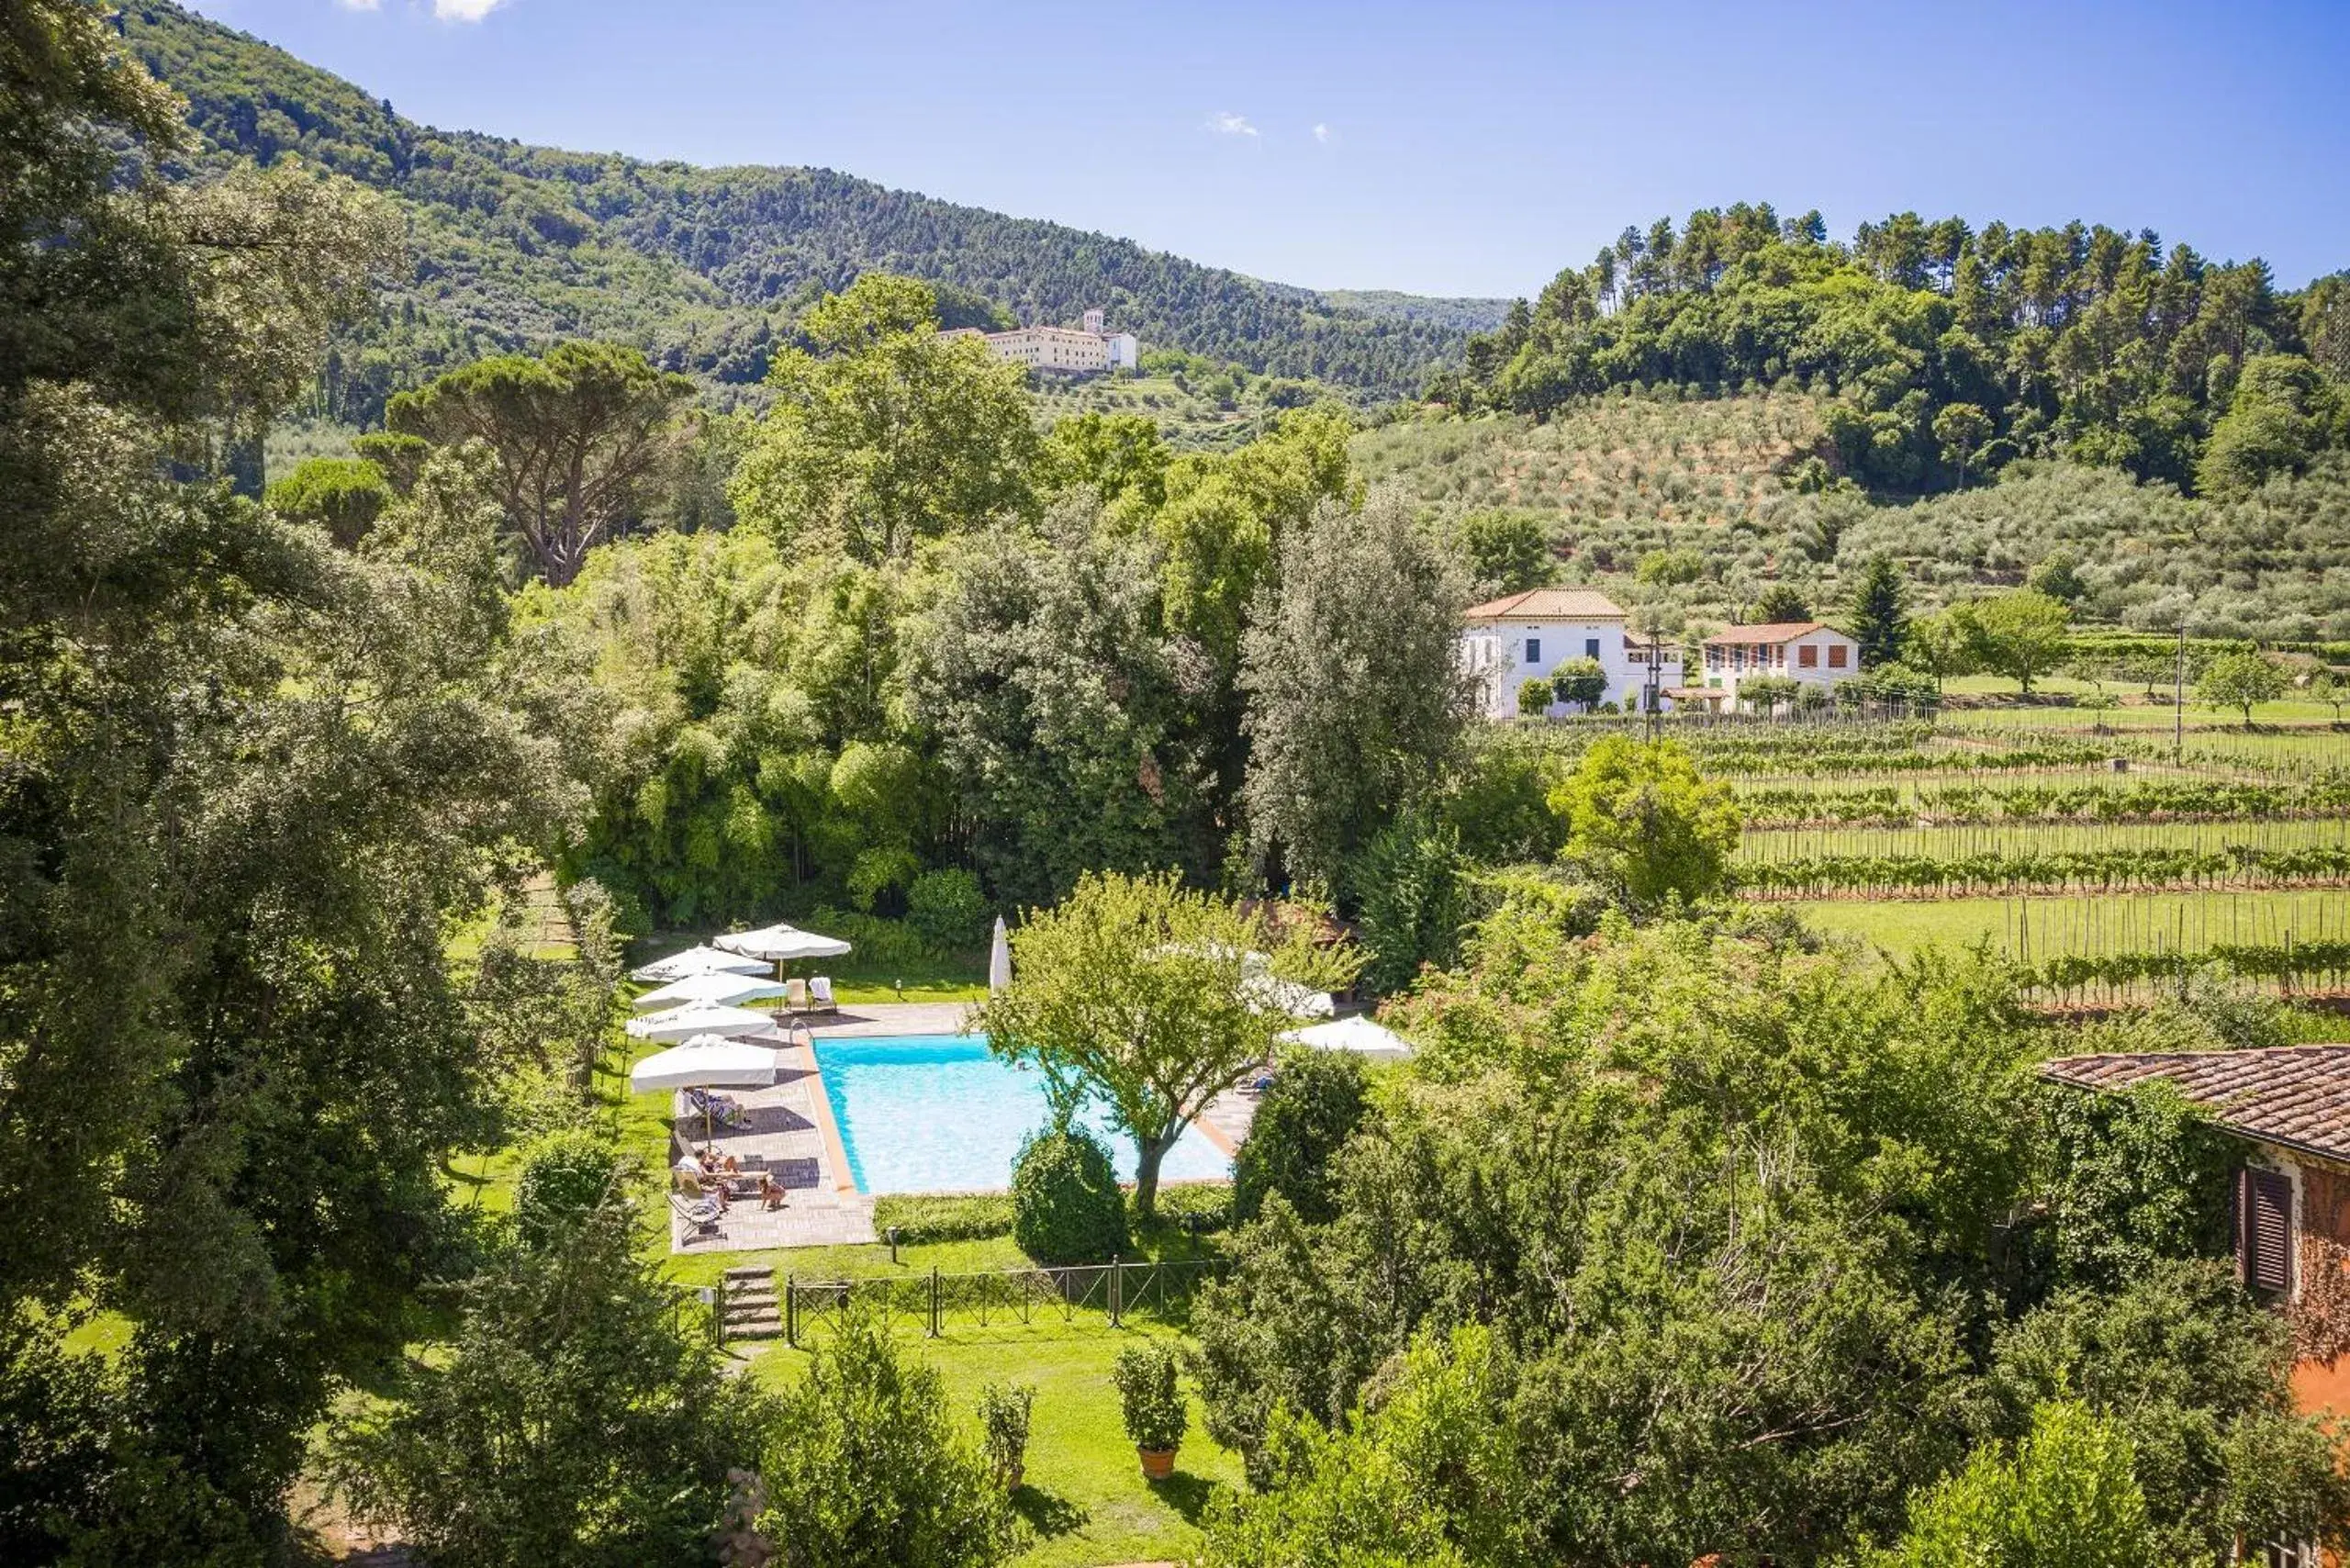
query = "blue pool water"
{"x": 937, "y": 1114}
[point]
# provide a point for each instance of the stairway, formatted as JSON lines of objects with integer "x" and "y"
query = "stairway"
{"x": 751, "y": 1310}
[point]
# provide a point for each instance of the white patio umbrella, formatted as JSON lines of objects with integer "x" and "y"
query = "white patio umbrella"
{"x": 696, "y": 962}
{"x": 705, "y": 1061}
{"x": 1360, "y": 1035}
{"x": 1000, "y": 958}
{"x": 699, "y": 1018}
{"x": 711, "y": 990}
{"x": 782, "y": 943}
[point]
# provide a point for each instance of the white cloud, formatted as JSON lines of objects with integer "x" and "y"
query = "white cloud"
{"x": 359, "y": 4}
{"x": 462, "y": 10}
{"x": 1223, "y": 122}
{"x": 1324, "y": 134}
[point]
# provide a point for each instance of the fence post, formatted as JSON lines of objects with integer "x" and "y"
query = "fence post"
{"x": 1115, "y": 1267}
{"x": 790, "y": 1313}
{"x": 934, "y": 1300}
{"x": 718, "y": 1311}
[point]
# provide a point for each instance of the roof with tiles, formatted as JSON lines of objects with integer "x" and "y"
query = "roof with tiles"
{"x": 2294, "y": 1096}
{"x": 1550, "y": 604}
{"x": 1774, "y": 631}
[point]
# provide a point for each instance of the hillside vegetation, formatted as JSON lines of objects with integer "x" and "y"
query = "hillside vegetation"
{"x": 517, "y": 247}
{"x": 1952, "y": 350}
{"x": 1618, "y": 483}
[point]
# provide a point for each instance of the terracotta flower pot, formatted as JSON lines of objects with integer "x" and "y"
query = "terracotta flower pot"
{"x": 1157, "y": 1464}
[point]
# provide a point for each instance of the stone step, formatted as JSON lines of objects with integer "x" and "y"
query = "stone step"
{"x": 750, "y": 1304}
{"x": 767, "y": 1325}
{"x": 748, "y": 1276}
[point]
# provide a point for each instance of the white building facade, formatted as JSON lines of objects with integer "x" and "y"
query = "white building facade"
{"x": 1528, "y": 635}
{"x": 1062, "y": 350}
{"x": 1806, "y": 651}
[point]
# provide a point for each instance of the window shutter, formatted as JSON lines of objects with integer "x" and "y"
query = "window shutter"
{"x": 2264, "y": 1228}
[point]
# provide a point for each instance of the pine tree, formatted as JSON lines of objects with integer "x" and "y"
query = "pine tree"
{"x": 1880, "y": 614}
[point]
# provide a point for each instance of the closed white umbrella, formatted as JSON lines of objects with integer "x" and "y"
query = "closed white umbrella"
{"x": 699, "y": 1018}
{"x": 711, "y": 990}
{"x": 782, "y": 943}
{"x": 1370, "y": 1041}
{"x": 696, "y": 962}
{"x": 1000, "y": 958}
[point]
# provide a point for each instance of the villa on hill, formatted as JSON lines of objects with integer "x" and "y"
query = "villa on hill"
{"x": 1527, "y": 636}
{"x": 1809, "y": 652}
{"x": 1061, "y": 351}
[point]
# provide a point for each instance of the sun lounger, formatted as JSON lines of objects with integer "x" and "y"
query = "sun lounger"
{"x": 719, "y": 1109}
{"x": 795, "y": 995}
{"x": 701, "y": 1215}
{"x": 820, "y": 995}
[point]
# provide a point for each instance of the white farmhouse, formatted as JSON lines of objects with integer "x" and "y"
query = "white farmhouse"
{"x": 1808, "y": 651}
{"x": 1525, "y": 635}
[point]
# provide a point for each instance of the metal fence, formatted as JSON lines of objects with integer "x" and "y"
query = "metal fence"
{"x": 1084, "y": 1296}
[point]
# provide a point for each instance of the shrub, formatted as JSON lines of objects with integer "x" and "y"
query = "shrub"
{"x": 946, "y": 910}
{"x": 566, "y": 1176}
{"x": 1314, "y": 1107}
{"x": 920, "y": 1217}
{"x": 1196, "y": 1206}
{"x": 1003, "y": 1428}
{"x": 1533, "y": 697}
{"x": 1066, "y": 1206}
{"x": 1150, "y": 1396}
{"x": 865, "y": 1468}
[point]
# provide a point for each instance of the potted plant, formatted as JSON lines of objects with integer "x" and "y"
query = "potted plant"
{"x": 1151, "y": 1401}
{"x": 1003, "y": 1428}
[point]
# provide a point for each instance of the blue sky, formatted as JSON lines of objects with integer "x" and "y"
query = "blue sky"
{"x": 1441, "y": 147}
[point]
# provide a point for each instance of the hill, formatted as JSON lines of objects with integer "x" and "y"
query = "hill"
{"x": 517, "y": 246}
{"x": 1618, "y": 483}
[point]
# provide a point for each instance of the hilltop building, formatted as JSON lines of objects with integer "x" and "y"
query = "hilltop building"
{"x": 1528, "y": 635}
{"x": 1062, "y": 350}
{"x": 1808, "y": 651}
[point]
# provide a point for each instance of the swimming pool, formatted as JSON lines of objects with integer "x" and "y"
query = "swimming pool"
{"x": 937, "y": 1114}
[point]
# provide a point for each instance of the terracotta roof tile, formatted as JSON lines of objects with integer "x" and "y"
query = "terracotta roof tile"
{"x": 1550, "y": 604}
{"x": 2295, "y": 1096}
{"x": 1771, "y": 632}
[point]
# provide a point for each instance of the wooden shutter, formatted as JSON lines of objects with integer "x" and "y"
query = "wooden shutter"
{"x": 2264, "y": 1228}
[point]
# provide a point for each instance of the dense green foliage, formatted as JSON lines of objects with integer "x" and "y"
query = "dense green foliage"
{"x": 1151, "y": 1395}
{"x": 1946, "y": 345}
{"x": 1317, "y": 1102}
{"x": 1739, "y": 1219}
{"x": 2067, "y": 1499}
{"x": 579, "y": 1419}
{"x": 1066, "y": 1205}
{"x": 865, "y": 1467}
{"x": 705, "y": 269}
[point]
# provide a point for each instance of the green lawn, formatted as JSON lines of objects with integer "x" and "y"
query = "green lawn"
{"x": 1085, "y": 1501}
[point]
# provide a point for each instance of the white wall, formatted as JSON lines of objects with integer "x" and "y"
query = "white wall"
{"x": 1497, "y": 650}
{"x": 1718, "y": 672}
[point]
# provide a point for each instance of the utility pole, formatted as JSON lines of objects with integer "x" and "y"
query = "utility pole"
{"x": 1655, "y": 698}
{"x": 2178, "y": 700}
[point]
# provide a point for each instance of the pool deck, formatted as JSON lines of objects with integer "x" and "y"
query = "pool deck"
{"x": 790, "y": 1125}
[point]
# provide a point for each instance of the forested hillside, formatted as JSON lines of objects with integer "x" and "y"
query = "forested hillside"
{"x": 1951, "y": 350}
{"x": 520, "y": 246}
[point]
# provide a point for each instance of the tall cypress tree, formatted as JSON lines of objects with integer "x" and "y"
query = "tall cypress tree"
{"x": 1880, "y": 614}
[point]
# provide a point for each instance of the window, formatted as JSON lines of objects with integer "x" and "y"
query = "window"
{"x": 2264, "y": 1226}
{"x": 1836, "y": 656}
{"x": 1807, "y": 656}
{"x": 1591, "y": 647}
{"x": 1534, "y": 650}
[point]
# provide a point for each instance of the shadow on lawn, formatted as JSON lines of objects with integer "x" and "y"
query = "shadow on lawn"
{"x": 1048, "y": 1513}
{"x": 1187, "y": 1494}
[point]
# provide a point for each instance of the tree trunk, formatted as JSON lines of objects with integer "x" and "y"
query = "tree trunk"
{"x": 1149, "y": 1153}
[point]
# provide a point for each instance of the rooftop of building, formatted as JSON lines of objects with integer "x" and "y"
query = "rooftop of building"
{"x": 1550, "y": 604}
{"x": 1771, "y": 632}
{"x": 2297, "y": 1097}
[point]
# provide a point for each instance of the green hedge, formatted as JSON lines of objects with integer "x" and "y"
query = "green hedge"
{"x": 928, "y": 1217}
